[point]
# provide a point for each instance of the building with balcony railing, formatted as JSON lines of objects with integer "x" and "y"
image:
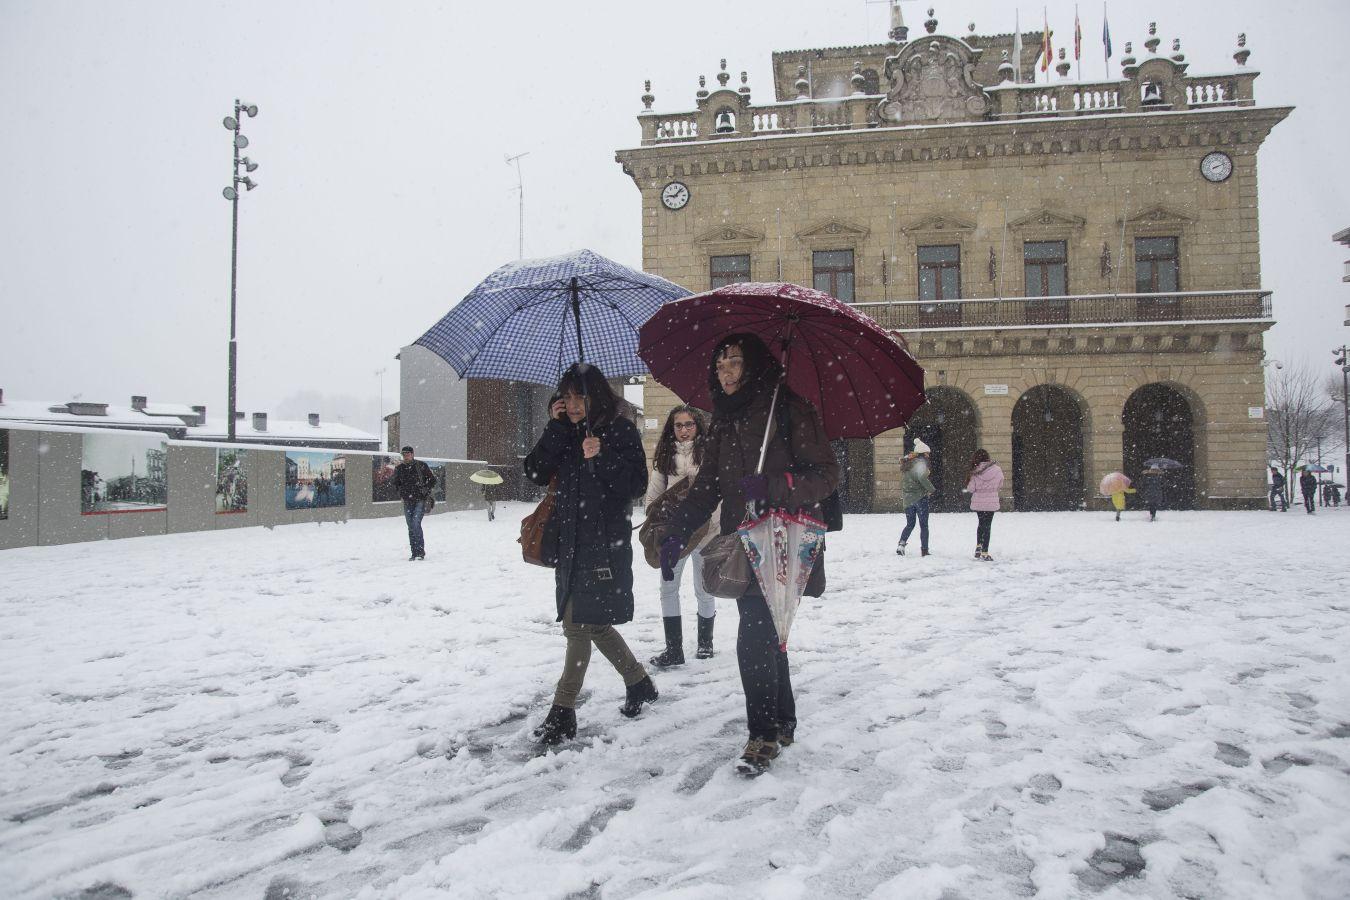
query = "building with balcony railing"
{"x": 1076, "y": 265}
{"x": 1342, "y": 237}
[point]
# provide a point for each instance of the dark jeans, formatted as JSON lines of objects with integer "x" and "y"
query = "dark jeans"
{"x": 1309, "y": 499}
{"x": 412, "y": 514}
{"x": 764, "y": 670}
{"x": 916, "y": 511}
{"x": 1278, "y": 494}
{"x": 982, "y": 530}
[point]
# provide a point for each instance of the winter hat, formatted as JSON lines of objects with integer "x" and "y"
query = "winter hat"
{"x": 920, "y": 448}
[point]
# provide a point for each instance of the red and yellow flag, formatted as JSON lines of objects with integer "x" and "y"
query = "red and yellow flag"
{"x": 1046, "y": 50}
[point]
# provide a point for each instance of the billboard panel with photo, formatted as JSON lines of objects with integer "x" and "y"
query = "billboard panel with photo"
{"x": 382, "y": 488}
{"x": 4, "y": 473}
{"x": 231, "y": 481}
{"x": 123, "y": 473}
{"x": 315, "y": 480}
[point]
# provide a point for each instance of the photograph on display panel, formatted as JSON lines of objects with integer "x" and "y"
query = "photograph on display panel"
{"x": 315, "y": 480}
{"x": 4, "y": 473}
{"x": 123, "y": 473}
{"x": 231, "y": 481}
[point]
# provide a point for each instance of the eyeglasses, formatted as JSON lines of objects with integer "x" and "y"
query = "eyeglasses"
{"x": 686, "y": 424}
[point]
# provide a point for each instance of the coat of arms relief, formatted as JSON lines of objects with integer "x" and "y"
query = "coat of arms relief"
{"x": 931, "y": 81}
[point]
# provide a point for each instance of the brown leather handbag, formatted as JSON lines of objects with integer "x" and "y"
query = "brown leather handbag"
{"x": 653, "y": 530}
{"x": 539, "y": 534}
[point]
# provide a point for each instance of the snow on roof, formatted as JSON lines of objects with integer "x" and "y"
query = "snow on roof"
{"x": 281, "y": 428}
{"x": 160, "y": 415}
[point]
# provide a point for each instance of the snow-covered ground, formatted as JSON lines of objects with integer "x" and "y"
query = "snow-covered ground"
{"x": 1114, "y": 710}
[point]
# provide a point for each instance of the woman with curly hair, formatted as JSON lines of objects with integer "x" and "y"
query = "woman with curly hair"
{"x": 679, "y": 453}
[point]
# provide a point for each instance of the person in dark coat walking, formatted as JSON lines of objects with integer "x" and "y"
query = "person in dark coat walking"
{"x": 1307, "y": 483}
{"x": 601, "y": 467}
{"x": 1277, "y": 490}
{"x": 415, "y": 483}
{"x": 1152, "y": 492}
{"x": 799, "y": 472}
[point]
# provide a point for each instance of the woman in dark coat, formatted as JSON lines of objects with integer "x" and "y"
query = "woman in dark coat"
{"x": 799, "y": 472}
{"x": 600, "y": 467}
{"x": 1152, "y": 491}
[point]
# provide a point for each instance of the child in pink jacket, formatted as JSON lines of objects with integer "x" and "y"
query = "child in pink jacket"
{"x": 985, "y": 480}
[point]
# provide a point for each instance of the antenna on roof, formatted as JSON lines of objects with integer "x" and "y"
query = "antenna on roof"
{"x": 520, "y": 190}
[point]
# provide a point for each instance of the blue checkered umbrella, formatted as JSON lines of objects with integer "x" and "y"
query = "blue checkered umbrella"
{"x": 530, "y": 320}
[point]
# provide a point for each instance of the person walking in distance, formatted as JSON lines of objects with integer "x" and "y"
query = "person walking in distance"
{"x": 1277, "y": 490}
{"x": 1153, "y": 492}
{"x": 1307, "y": 484}
{"x": 415, "y": 483}
{"x": 985, "y": 480}
{"x": 915, "y": 489}
{"x": 679, "y": 453}
{"x": 799, "y": 472}
{"x": 600, "y": 466}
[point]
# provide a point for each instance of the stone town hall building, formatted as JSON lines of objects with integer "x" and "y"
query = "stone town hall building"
{"x": 1076, "y": 265}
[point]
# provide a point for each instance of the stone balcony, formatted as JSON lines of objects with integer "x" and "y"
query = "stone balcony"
{"x": 1155, "y": 87}
{"x": 1080, "y": 310}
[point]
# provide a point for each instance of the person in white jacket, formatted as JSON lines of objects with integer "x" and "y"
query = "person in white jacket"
{"x": 679, "y": 452}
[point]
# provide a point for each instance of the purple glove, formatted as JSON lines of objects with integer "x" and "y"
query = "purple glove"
{"x": 755, "y": 488}
{"x": 670, "y": 557}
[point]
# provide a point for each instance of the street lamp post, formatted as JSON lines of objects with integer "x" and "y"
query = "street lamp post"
{"x": 231, "y": 194}
{"x": 1343, "y": 360}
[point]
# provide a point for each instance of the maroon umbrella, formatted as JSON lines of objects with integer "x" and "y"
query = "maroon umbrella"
{"x": 859, "y": 377}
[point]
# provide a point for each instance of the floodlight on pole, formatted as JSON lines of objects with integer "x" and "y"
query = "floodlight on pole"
{"x": 520, "y": 189}
{"x": 231, "y": 193}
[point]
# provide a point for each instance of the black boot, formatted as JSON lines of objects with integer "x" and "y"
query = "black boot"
{"x": 705, "y": 629}
{"x": 673, "y": 655}
{"x": 642, "y": 692}
{"x": 560, "y": 724}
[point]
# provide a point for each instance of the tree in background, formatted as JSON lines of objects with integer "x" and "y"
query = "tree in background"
{"x": 1299, "y": 416}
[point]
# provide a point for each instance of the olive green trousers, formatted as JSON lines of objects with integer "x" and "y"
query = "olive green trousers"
{"x": 608, "y": 641}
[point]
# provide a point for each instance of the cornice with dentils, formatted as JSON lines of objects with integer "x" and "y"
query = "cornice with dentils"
{"x": 1232, "y": 126}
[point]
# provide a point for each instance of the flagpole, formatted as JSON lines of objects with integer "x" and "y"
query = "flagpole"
{"x": 1077, "y": 43}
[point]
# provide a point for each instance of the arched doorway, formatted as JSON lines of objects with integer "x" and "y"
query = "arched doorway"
{"x": 1159, "y": 422}
{"x": 1047, "y": 446}
{"x": 854, "y": 456}
{"x": 947, "y": 423}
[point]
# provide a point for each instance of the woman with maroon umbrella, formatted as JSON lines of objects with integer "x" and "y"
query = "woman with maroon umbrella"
{"x": 841, "y": 375}
{"x": 742, "y": 378}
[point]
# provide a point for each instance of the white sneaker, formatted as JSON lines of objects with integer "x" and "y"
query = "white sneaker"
{"x": 900, "y": 549}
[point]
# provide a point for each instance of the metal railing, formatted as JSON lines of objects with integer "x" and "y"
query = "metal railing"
{"x": 1077, "y": 309}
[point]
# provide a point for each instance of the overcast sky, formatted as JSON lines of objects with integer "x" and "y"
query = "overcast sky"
{"x": 384, "y": 196}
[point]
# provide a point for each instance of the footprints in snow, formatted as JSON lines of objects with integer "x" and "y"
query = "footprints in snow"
{"x": 1044, "y": 787}
{"x": 1117, "y": 860}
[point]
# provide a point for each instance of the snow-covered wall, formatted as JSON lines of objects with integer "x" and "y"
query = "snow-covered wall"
{"x": 45, "y": 491}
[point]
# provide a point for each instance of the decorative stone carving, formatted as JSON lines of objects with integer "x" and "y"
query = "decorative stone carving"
{"x": 932, "y": 81}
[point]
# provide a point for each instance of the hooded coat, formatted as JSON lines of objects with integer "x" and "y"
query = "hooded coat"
{"x": 593, "y": 516}
{"x": 983, "y": 485}
{"x": 732, "y": 452}
{"x": 913, "y": 486}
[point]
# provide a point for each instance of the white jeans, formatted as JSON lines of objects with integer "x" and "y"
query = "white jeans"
{"x": 670, "y": 590}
